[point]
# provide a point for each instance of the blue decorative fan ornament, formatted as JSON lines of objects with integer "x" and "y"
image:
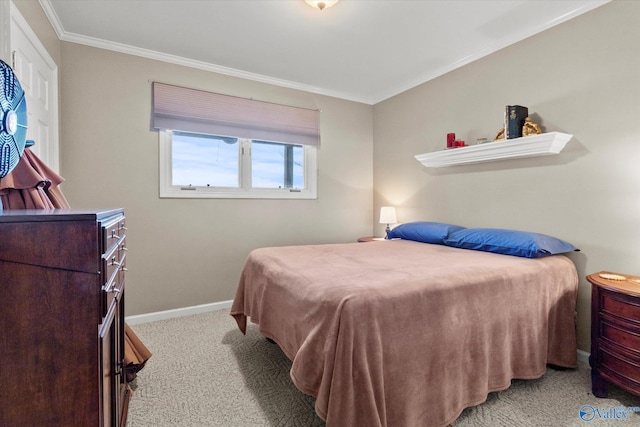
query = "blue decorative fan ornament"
{"x": 13, "y": 120}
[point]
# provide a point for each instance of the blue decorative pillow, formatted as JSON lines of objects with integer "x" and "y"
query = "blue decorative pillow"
{"x": 424, "y": 231}
{"x": 508, "y": 242}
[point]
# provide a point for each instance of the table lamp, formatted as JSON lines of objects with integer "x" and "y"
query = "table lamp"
{"x": 388, "y": 216}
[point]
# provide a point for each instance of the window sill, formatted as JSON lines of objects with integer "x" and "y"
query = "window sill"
{"x": 212, "y": 193}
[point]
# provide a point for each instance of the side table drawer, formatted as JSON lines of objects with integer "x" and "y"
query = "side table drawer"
{"x": 627, "y": 308}
{"x": 621, "y": 335}
{"x": 614, "y": 362}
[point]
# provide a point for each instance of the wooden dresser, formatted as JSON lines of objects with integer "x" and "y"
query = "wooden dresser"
{"x": 615, "y": 332}
{"x": 62, "y": 317}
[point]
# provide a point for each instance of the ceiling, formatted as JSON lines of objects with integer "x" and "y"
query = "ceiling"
{"x": 360, "y": 50}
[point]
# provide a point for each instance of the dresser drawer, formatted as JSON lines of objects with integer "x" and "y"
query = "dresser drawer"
{"x": 621, "y": 306}
{"x": 111, "y": 294}
{"x": 112, "y": 260}
{"x": 114, "y": 288}
{"x": 112, "y": 231}
{"x": 122, "y": 246}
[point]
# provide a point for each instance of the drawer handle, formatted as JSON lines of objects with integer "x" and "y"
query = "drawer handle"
{"x": 113, "y": 288}
{"x": 116, "y": 263}
{"x": 122, "y": 227}
{"x": 119, "y": 264}
{"x": 121, "y": 367}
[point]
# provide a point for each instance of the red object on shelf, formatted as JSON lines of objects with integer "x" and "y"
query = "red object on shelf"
{"x": 451, "y": 137}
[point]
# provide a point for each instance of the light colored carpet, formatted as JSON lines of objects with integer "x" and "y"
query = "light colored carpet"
{"x": 204, "y": 372}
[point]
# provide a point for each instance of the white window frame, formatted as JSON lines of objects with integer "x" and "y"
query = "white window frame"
{"x": 245, "y": 191}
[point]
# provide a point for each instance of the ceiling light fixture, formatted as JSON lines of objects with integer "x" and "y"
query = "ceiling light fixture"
{"x": 321, "y": 4}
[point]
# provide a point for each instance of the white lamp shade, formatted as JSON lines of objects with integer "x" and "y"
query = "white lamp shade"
{"x": 388, "y": 215}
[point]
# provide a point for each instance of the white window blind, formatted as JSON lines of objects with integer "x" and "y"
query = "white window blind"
{"x": 192, "y": 110}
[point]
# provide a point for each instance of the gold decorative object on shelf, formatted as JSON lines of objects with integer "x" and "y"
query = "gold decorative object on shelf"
{"x": 530, "y": 128}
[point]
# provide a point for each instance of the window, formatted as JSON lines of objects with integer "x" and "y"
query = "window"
{"x": 212, "y": 166}
{"x": 214, "y": 145}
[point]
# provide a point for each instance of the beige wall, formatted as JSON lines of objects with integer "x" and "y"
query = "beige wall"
{"x": 580, "y": 78}
{"x": 186, "y": 252}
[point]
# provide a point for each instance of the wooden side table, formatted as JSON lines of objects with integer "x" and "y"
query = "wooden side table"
{"x": 615, "y": 332}
{"x": 370, "y": 239}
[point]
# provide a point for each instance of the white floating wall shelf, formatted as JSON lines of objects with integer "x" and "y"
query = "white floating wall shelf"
{"x": 543, "y": 144}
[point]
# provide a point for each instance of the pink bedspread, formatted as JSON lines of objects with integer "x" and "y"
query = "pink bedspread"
{"x": 400, "y": 333}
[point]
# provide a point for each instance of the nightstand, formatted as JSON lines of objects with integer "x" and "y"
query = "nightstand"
{"x": 370, "y": 239}
{"x": 615, "y": 332}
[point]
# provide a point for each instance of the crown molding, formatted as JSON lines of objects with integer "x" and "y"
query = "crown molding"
{"x": 206, "y": 66}
{"x": 52, "y": 16}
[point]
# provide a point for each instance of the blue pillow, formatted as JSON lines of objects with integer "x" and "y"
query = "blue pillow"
{"x": 508, "y": 242}
{"x": 424, "y": 231}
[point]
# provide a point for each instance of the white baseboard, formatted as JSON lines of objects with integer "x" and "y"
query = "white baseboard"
{"x": 178, "y": 312}
{"x": 583, "y": 356}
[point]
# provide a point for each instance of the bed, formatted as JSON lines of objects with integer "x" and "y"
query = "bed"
{"x": 405, "y": 333}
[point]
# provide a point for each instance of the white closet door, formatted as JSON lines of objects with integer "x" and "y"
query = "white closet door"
{"x": 38, "y": 76}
